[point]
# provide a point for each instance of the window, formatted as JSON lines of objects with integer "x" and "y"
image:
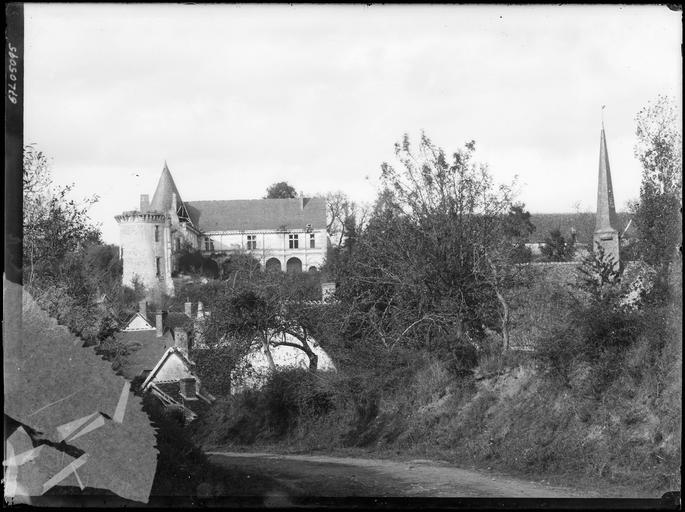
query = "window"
{"x": 209, "y": 244}
{"x": 251, "y": 242}
{"x": 156, "y": 233}
{"x": 312, "y": 241}
{"x": 159, "y": 269}
{"x": 293, "y": 241}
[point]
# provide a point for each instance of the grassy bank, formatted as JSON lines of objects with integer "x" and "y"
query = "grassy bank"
{"x": 614, "y": 420}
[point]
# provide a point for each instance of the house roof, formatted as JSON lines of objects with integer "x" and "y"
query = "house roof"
{"x": 151, "y": 349}
{"x": 160, "y": 363}
{"x": 584, "y": 224}
{"x": 134, "y": 316}
{"x": 171, "y": 320}
{"x": 255, "y": 214}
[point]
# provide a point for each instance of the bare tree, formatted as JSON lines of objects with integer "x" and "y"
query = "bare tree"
{"x": 343, "y": 216}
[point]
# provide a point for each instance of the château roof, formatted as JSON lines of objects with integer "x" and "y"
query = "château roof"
{"x": 161, "y": 201}
{"x": 256, "y": 214}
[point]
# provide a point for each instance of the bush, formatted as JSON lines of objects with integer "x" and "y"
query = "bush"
{"x": 214, "y": 366}
{"x": 192, "y": 261}
{"x": 607, "y": 328}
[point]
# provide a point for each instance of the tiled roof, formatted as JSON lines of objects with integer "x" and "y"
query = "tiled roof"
{"x": 148, "y": 355}
{"x": 584, "y": 224}
{"x": 161, "y": 201}
{"x": 255, "y": 214}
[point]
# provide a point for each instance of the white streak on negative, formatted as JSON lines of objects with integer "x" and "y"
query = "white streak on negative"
{"x": 65, "y": 472}
{"x": 121, "y": 406}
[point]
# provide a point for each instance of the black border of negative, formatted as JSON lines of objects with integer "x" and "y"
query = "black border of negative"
{"x": 12, "y": 211}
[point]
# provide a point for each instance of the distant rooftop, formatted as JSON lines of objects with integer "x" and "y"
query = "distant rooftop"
{"x": 583, "y": 223}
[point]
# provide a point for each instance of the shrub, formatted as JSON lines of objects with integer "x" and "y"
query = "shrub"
{"x": 607, "y": 328}
{"x": 214, "y": 366}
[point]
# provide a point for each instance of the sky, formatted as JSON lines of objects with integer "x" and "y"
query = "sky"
{"x": 237, "y": 97}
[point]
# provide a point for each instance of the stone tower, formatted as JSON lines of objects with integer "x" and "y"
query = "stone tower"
{"x": 145, "y": 241}
{"x": 606, "y": 232}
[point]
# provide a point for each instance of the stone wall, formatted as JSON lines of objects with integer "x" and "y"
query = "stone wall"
{"x": 140, "y": 251}
{"x": 274, "y": 245}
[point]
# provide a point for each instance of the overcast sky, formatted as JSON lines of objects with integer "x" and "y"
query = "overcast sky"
{"x": 235, "y": 98}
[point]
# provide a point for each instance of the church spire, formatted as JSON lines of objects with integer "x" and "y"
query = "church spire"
{"x": 163, "y": 199}
{"x": 606, "y": 210}
{"x": 606, "y": 227}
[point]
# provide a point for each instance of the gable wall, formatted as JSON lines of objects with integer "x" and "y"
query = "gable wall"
{"x": 138, "y": 323}
{"x": 173, "y": 369}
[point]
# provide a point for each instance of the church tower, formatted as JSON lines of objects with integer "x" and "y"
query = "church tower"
{"x": 606, "y": 232}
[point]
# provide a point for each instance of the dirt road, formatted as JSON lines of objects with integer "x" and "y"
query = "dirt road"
{"x": 319, "y": 475}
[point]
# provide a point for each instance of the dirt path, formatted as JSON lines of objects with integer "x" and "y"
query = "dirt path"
{"x": 319, "y": 475}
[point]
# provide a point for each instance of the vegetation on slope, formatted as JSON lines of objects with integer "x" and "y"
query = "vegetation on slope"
{"x": 431, "y": 307}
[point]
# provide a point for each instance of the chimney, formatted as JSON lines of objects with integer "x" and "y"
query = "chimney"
{"x": 200, "y": 311}
{"x": 301, "y": 203}
{"x": 181, "y": 339}
{"x": 144, "y": 203}
{"x": 159, "y": 321}
{"x": 142, "y": 309}
{"x": 188, "y": 309}
{"x": 188, "y": 388}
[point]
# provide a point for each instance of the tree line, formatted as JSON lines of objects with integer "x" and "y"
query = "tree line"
{"x": 431, "y": 265}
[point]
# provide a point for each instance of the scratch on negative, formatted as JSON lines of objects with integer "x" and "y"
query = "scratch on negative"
{"x": 56, "y": 402}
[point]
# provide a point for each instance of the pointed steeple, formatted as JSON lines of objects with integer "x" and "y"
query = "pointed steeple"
{"x": 163, "y": 199}
{"x": 606, "y": 210}
{"x": 606, "y": 228}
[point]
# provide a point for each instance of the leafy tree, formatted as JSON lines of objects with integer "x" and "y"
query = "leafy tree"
{"x": 600, "y": 277}
{"x": 102, "y": 267}
{"x": 280, "y": 190}
{"x": 243, "y": 317}
{"x": 214, "y": 365}
{"x": 239, "y": 265}
{"x": 431, "y": 257}
{"x": 262, "y": 312}
{"x": 558, "y": 248}
{"x": 192, "y": 261}
{"x": 53, "y": 224}
{"x": 658, "y": 212}
{"x": 517, "y": 229}
{"x": 501, "y": 272}
{"x": 194, "y": 292}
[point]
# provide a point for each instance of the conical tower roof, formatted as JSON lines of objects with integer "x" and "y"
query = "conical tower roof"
{"x": 161, "y": 201}
{"x": 606, "y": 210}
